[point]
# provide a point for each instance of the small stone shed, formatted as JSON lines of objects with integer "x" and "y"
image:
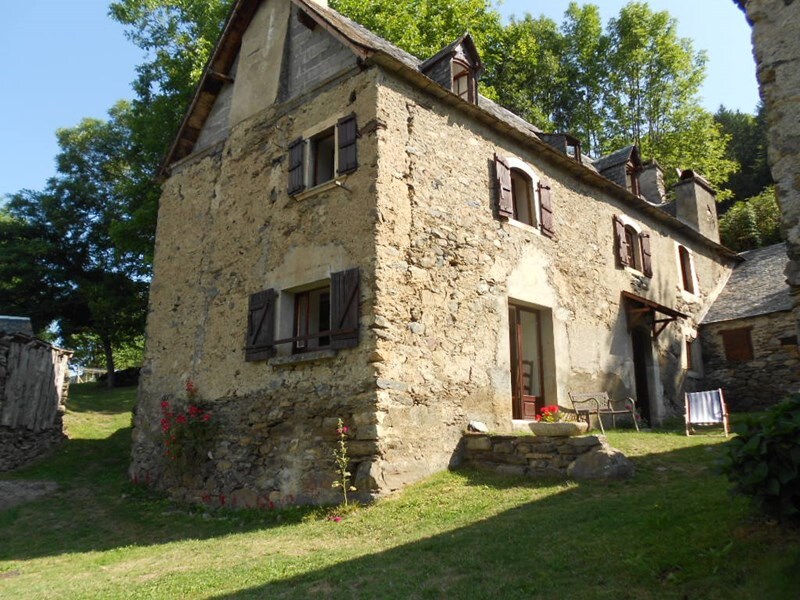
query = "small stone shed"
{"x": 33, "y": 392}
{"x": 348, "y": 231}
{"x": 749, "y": 340}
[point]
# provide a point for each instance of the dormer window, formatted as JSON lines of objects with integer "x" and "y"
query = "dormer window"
{"x": 632, "y": 178}
{"x": 573, "y": 147}
{"x": 456, "y": 67}
{"x": 462, "y": 80}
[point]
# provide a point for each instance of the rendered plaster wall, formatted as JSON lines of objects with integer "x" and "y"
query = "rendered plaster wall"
{"x": 776, "y": 47}
{"x": 769, "y": 377}
{"x": 447, "y": 269}
{"x": 228, "y": 229}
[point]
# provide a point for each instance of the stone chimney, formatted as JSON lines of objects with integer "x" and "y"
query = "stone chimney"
{"x": 651, "y": 183}
{"x": 696, "y": 204}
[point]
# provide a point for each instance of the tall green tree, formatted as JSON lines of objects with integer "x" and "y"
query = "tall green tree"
{"x": 580, "y": 110}
{"x": 177, "y": 37}
{"x": 752, "y": 223}
{"x": 748, "y": 147}
{"x": 65, "y": 265}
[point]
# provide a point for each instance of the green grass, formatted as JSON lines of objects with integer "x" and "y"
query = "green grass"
{"x": 671, "y": 532}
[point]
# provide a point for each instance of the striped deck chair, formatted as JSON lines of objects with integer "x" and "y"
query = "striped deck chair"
{"x": 706, "y": 408}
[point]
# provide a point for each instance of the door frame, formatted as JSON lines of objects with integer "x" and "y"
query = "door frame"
{"x": 520, "y": 407}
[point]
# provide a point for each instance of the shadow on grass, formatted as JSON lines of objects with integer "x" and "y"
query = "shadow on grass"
{"x": 666, "y": 533}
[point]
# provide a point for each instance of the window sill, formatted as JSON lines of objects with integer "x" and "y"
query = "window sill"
{"x": 689, "y": 296}
{"x": 318, "y": 189}
{"x": 637, "y": 273}
{"x": 305, "y": 357}
{"x": 523, "y": 226}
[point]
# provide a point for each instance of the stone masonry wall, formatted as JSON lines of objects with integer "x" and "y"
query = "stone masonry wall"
{"x": 776, "y": 46}
{"x": 447, "y": 269}
{"x": 582, "y": 457}
{"x": 227, "y": 229}
{"x": 759, "y": 383}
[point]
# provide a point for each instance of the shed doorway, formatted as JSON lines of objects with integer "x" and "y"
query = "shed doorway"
{"x": 525, "y": 336}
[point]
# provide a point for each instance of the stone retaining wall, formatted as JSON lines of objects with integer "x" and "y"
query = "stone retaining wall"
{"x": 581, "y": 457}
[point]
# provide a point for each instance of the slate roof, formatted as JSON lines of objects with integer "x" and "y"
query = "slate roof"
{"x": 756, "y": 287}
{"x": 370, "y": 47}
{"x": 619, "y": 157}
{"x": 10, "y": 324}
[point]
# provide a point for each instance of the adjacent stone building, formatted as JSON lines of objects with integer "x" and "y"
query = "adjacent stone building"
{"x": 346, "y": 231}
{"x": 748, "y": 337}
{"x": 33, "y": 392}
{"x": 776, "y": 48}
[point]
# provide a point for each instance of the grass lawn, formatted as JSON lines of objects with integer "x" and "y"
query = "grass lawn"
{"x": 671, "y": 532}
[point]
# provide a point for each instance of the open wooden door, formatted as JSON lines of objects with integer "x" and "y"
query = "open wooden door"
{"x": 526, "y": 361}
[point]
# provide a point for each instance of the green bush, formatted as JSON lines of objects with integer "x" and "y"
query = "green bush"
{"x": 764, "y": 460}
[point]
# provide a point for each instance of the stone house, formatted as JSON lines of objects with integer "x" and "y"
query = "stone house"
{"x": 347, "y": 231}
{"x": 749, "y": 342}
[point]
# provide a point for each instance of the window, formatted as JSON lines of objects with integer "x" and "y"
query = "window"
{"x": 462, "y": 80}
{"x": 687, "y": 269}
{"x": 573, "y": 147}
{"x": 694, "y": 361}
{"x": 633, "y": 246}
{"x": 738, "y": 344}
{"x": 522, "y": 196}
{"x": 632, "y": 179}
{"x": 323, "y": 156}
{"x": 311, "y": 317}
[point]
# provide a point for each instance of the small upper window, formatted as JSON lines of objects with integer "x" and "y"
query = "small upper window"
{"x": 633, "y": 247}
{"x": 522, "y": 197}
{"x": 632, "y": 176}
{"x": 323, "y": 156}
{"x": 462, "y": 80}
{"x": 687, "y": 270}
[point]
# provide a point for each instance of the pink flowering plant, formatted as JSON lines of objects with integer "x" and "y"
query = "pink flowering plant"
{"x": 188, "y": 433}
{"x": 342, "y": 463}
{"x": 548, "y": 414}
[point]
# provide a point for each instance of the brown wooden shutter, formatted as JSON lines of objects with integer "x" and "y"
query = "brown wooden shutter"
{"x": 546, "y": 203}
{"x": 296, "y": 170}
{"x": 647, "y": 259}
{"x": 738, "y": 344}
{"x": 348, "y": 147}
{"x": 261, "y": 326}
{"x": 619, "y": 239}
{"x": 344, "y": 309}
{"x": 505, "y": 198}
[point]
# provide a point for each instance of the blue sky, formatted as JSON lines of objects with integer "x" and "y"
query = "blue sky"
{"x": 66, "y": 60}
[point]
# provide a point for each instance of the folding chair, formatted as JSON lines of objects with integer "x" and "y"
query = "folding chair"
{"x": 706, "y": 408}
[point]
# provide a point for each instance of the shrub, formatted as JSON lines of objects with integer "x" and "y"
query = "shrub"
{"x": 764, "y": 460}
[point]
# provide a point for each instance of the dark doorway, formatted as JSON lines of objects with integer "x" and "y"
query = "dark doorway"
{"x": 642, "y": 357}
{"x": 525, "y": 336}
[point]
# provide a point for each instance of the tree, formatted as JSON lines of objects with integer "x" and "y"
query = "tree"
{"x": 423, "y": 27}
{"x": 752, "y": 223}
{"x": 580, "y": 109}
{"x": 748, "y": 147}
{"x": 62, "y": 263}
{"x": 178, "y": 37}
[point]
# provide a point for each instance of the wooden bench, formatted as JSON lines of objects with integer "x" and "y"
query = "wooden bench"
{"x": 586, "y": 404}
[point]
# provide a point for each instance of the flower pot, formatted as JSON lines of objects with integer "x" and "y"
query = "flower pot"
{"x": 559, "y": 428}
